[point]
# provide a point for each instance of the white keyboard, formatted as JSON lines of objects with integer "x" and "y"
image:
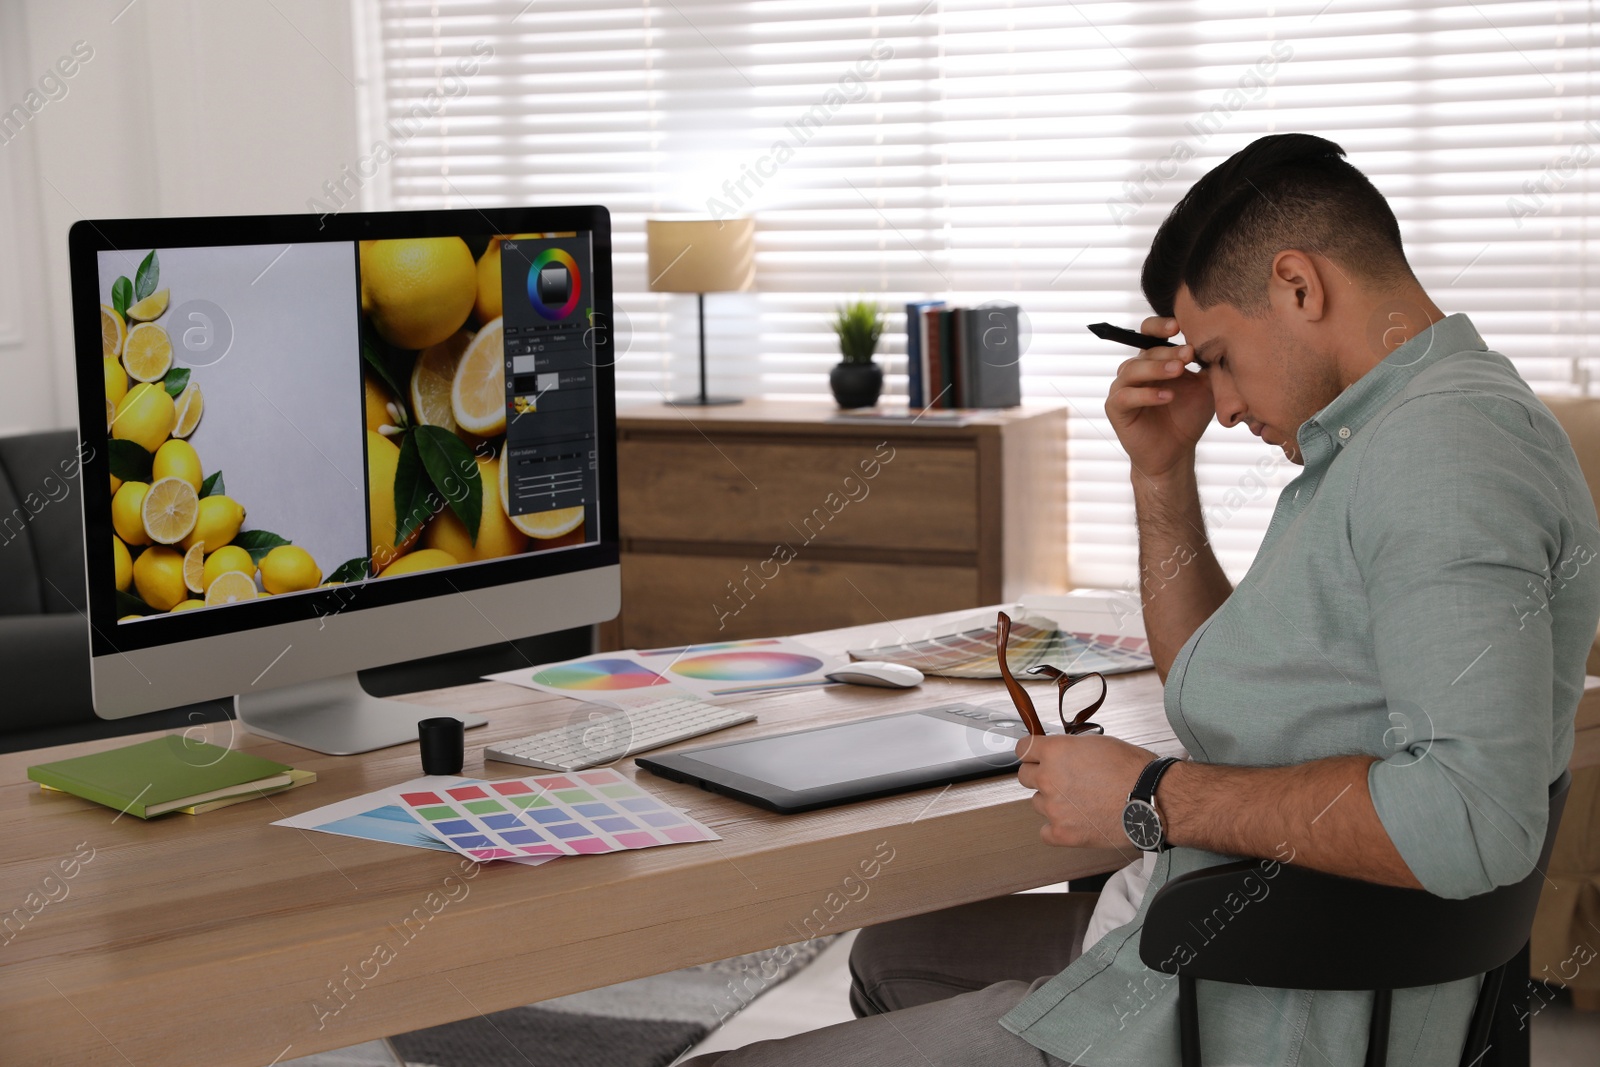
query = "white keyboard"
{"x": 607, "y": 734}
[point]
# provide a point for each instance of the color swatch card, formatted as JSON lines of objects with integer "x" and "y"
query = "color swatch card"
{"x": 704, "y": 671}
{"x": 584, "y": 813}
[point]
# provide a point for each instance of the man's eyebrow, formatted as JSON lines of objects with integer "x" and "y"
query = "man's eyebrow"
{"x": 1200, "y": 352}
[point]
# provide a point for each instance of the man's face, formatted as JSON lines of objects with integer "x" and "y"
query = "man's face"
{"x": 1261, "y": 372}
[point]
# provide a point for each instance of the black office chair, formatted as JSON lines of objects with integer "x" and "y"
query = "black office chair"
{"x": 1321, "y": 931}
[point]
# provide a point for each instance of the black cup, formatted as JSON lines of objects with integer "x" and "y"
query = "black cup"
{"x": 443, "y": 741}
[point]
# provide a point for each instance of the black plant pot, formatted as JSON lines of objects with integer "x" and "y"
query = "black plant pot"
{"x": 856, "y": 385}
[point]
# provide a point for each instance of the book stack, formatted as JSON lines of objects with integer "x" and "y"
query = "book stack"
{"x": 963, "y": 357}
{"x": 170, "y": 773}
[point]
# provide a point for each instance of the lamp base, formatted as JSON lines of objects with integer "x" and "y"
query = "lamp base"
{"x": 697, "y": 400}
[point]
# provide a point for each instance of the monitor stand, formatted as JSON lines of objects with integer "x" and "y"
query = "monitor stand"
{"x": 336, "y": 716}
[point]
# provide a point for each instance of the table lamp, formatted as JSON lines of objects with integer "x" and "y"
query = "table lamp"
{"x": 701, "y": 256}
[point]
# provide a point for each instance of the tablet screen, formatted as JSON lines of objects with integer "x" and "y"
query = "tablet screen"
{"x": 852, "y": 751}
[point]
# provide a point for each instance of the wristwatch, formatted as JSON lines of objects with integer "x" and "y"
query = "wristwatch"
{"x": 1140, "y": 820}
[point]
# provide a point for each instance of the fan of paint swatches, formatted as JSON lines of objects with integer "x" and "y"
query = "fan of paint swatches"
{"x": 585, "y": 813}
{"x": 971, "y": 653}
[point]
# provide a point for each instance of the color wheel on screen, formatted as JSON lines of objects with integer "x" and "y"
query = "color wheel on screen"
{"x": 745, "y": 666}
{"x": 598, "y": 674}
{"x": 573, "y": 288}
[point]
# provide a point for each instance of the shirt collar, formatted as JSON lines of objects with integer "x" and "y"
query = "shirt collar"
{"x": 1363, "y": 398}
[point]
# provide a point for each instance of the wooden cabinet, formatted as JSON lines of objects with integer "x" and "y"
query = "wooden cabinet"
{"x": 772, "y": 518}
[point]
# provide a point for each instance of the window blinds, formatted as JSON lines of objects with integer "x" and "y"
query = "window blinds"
{"x": 975, "y": 150}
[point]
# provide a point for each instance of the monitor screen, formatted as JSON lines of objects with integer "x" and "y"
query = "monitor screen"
{"x": 311, "y": 419}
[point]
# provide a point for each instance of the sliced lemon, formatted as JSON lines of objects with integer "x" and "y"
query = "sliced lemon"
{"x": 151, "y": 307}
{"x": 544, "y": 525}
{"x": 194, "y": 567}
{"x": 225, "y": 559}
{"x": 170, "y": 509}
{"x": 191, "y": 404}
{"x": 112, "y": 332}
{"x": 478, "y": 394}
{"x": 433, "y": 380}
{"x": 230, "y": 587}
{"x": 148, "y": 352}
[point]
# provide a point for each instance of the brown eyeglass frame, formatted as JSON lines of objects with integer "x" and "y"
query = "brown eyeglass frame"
{"x": 1080, "y": 723}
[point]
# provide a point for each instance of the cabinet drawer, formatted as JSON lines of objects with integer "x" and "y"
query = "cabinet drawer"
{"x": 843, "y": 494}
{"x": 669, "y": 600}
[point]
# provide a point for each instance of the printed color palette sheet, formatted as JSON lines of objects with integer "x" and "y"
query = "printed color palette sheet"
{"x": 585, "y": 813}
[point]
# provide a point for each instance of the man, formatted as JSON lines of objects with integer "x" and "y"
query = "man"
{"x": 1386, "y": 694}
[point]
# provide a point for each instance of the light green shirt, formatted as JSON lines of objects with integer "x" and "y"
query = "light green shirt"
{"x": 1423, "y": 595}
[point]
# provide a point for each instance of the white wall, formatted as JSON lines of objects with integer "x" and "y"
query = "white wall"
{"x": 186, "y": 107}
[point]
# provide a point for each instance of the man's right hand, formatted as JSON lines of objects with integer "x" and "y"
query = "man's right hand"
{"x": 1159, "y": 432}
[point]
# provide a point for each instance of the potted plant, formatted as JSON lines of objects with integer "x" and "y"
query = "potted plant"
{"x": 856, "y": 380}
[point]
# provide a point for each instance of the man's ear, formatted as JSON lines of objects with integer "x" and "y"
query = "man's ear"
{"x": 1295, "y": 287}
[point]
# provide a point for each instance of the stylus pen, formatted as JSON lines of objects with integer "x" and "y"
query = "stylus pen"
{"x": 1107, "y": 332}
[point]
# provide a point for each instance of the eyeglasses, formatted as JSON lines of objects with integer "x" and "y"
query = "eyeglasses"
{"x": 1080, "y": 723}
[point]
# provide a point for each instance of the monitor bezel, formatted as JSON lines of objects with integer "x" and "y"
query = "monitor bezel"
{"x": 88, "y": 238}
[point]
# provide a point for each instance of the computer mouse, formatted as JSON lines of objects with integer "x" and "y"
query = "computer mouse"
{"x": 875, "y": 672}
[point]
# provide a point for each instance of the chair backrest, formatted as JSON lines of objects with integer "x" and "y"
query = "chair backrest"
{"x": 41, "y": 525}
{"x": 1294, "y": 928}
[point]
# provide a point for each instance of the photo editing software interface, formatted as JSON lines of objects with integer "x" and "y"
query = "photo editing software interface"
{"x": 283, "y": 418}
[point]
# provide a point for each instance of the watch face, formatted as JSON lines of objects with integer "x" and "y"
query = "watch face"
{"x": 1142, "y": 825}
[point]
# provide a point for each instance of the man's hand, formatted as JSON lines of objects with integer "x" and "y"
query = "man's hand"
{"x": 1160, "y": 432}
{"x": 1082, "y": 785}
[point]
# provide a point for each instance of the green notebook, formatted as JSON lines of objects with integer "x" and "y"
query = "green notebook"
{"x": 154, "y": 777}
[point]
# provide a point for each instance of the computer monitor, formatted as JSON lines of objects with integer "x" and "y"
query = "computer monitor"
{"x": 318, "y": 444}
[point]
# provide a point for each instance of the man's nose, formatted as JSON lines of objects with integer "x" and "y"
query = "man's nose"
{"x": 1229, "y": 408}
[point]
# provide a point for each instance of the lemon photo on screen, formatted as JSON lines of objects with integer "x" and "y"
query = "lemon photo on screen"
{"x": 184, "y": 537}
{"x": 435, "y": 407}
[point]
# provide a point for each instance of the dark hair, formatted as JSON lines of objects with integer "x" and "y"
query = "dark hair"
{"x": 1287, "y": 190}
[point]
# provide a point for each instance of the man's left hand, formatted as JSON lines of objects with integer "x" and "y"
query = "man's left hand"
{"x": 1082, "y": 784}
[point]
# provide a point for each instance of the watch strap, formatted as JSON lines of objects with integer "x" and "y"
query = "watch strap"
{"x": 1145, "y": 787}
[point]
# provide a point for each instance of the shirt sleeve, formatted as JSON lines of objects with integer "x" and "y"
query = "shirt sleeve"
{"x": 1458, "y": 521}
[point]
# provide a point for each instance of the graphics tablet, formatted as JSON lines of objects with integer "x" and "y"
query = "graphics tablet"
{"x": 836, "y": 764}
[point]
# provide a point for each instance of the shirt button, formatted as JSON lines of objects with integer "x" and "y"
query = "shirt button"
{"x": 1344, "y": 433}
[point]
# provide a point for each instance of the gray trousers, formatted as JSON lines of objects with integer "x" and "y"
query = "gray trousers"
{"x": 929, "y": 991}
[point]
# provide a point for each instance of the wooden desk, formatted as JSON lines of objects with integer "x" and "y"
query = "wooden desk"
{"x": 210, "y": 940}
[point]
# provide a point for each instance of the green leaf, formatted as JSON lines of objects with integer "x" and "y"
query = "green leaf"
{"x": 414, "y": 499}
{"x": 129, "y": 461}
{"x": 122, "y": 296}
{"x": 175, "y": 381}
{"x": 392, "y": 365}
{"x": 351, "y": 570}
{"x": 258, "y": 543}
{"x": 128, "y": 604}
{"x": 454, "y": 473}
{"x": 212, "y": 486}
{"x": 147, "y": 277}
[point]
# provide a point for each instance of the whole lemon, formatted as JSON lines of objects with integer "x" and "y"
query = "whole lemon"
{"x": 289, "y": 569}
{"x": 417, "y": 291}
{"x": 489, "y": 302}
{"x": 145, "y": 416}
{"x": 422, "y": 560}
{"x": 383, "y": 456}
{"x": 116, "y": 380}
{"x": 496, "y": 536}
{"x": 225, "y": 559}
{"x": 177, "y": 459}
{"x": 158, "y": 576}
{"x": 127, "y": 513}
{"x": 190, "y": 605}
{"x": 116, "y": 483}
{"x": 218, "y": 523}
{"x": 124, "y": 564}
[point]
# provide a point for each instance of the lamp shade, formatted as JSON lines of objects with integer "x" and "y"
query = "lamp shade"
{"x": 701, "y": 255}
